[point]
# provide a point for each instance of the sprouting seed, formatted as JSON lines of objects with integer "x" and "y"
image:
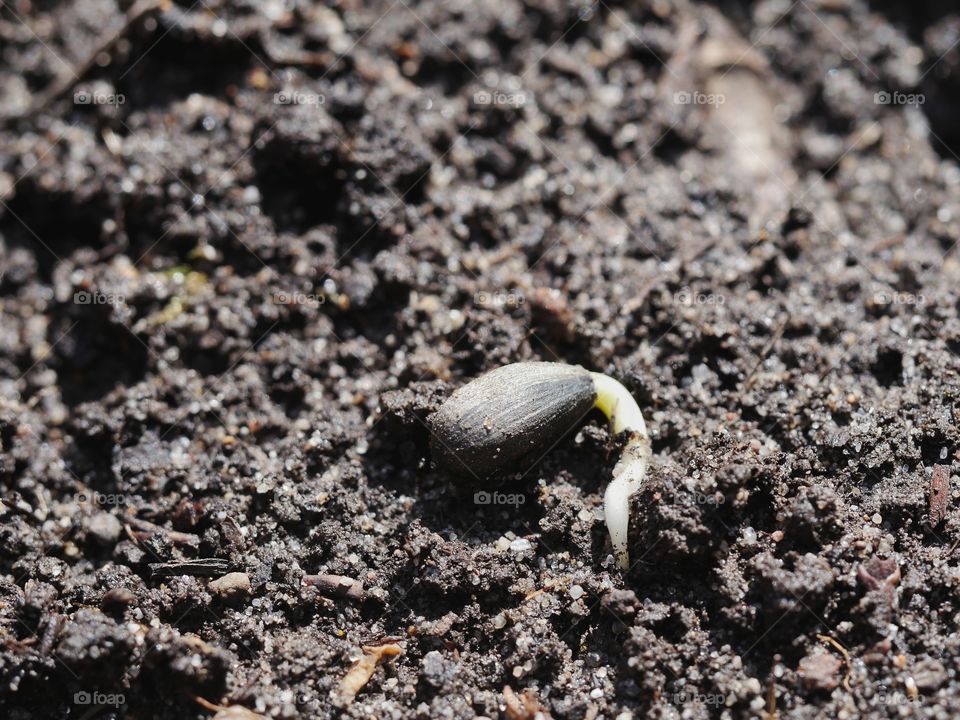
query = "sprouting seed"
{"x": 521, "y": 410}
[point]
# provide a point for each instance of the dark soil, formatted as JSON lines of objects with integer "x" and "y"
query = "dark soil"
{"x": 229, "y": 302}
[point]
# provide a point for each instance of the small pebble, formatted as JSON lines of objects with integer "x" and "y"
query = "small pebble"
{"x": 231, "y": 585}
{"x": 520, "y": 545}
{"x": 929, "y": 674}
{"x": 105, "y": 528}
{"x": 117, "y": 599}
{"x": 820, "y": 671}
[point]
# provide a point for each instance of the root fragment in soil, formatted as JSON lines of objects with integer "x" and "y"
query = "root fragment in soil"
{"x": 843, "y": 651}
{"x": 361, "y": 672}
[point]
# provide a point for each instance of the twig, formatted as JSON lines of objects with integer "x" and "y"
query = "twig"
{"x": 777, "y": 334}
{"x": 199, "y": 566}
{"x": 144, "y": 529}
{"x": 771, "y": 711}
{"x": 939, "y": 495}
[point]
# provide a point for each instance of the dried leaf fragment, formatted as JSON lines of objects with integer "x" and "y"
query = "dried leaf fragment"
{"x": 361, "y": 672}
{"x": 879, "y": 574}
{"x": 525, "y": 706}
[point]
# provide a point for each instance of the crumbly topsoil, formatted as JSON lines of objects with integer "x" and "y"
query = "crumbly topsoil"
{"x": 229, "y": 302}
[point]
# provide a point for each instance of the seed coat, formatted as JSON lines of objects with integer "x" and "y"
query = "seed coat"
{"x": 511, "y": 414}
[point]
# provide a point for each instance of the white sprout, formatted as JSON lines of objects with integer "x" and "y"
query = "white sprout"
{"x": 616, "y": 402}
